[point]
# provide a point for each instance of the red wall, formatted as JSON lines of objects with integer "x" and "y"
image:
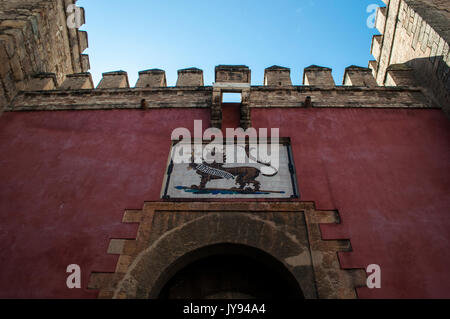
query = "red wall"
{"x": 67, "y": 177}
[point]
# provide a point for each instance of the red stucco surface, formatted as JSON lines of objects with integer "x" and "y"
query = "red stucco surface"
{"x": 67, "y": 177}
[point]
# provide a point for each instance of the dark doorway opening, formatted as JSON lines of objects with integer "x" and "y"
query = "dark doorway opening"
{"x": 233, "y": 272}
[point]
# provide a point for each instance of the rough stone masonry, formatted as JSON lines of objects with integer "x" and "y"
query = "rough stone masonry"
{"x": 34, "y": 40}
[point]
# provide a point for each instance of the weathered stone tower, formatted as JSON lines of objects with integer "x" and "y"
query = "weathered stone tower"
{"x": 37, "y": 48}
{"x": 87, "y": 176}
{"x": 413, "y": 48}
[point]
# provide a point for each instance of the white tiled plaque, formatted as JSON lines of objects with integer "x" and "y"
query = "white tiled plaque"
{"x": 232, "y": 180}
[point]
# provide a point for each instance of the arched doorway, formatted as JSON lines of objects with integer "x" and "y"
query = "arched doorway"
{"x": 230, "y": 271}
{"x": 277, "y": 240}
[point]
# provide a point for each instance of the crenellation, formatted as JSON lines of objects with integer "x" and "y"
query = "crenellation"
{"x": 232, "y": 74}
{"x": 377, "y": 41}
{"x": 83, "y": 15}
{"x": 78, "y": 81}
{"x": 28, "y": 28}
{"x": 190, "y": 77}
{"x": 373, "y": 65}
{"x": 43, "y": 82}
{"x": 83, "y": 40}
{"x": 400, "y": 75}
{"x": 380, "y": 20}
{"x": 116, "y": 79}
{"x": 359, "y": 76}
{"x": 85, "y": 63}
{"x": 277, "y": 76}
{"x": 318, "y": 76}
{"x": 152, "y": 78}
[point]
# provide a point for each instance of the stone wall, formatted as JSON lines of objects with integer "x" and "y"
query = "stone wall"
{"x": 68, "y": 176}
{"x": 415, "y": 33}
{"x": 113, "y": 92}
{"x": 35, "y": 39}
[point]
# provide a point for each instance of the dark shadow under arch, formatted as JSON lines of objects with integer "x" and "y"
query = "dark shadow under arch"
{"x": 227, "y": 271}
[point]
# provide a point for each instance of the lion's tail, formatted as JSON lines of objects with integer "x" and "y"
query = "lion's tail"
{"x": 268, "y": 167}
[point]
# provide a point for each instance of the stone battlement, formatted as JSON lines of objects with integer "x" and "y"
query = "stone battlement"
{"x": 226, "y": 76}
{"x": 36, "y": 39}
{"x": 43, "y": 64}
{"x": 359, "y": 89}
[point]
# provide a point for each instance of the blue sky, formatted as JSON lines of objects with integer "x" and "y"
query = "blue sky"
{"x": 136, "y": 35}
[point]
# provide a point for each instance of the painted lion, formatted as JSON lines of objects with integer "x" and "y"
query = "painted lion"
{"x": 244, "y": 176}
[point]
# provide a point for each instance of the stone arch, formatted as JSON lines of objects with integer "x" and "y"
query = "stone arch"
{"x": 170, "y": 234}
{"x": 179, "y": 246}
{"x": 264, "y": 276}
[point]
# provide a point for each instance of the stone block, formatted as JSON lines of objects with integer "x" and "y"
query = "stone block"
{"x": 400, "y": 75}
{"x": 85, "y": 64}
{"x": 318, "y": 76}
{"x": 83, "y": 39}
{"x": 380, "y": 21}
{"x": 377, "y": 41}
{"x": 358, "y": 76}
{"x": 78, "y": 81}
{"x": 42, "y": 82}
{"x": 373, "y": 65}
{"x": 277, "y": 76}
{"x": 117, "y": 79}
{"x": 232, "y": 74}
{"x": 190, "y": 77}
{"x": 153, "y": 78}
